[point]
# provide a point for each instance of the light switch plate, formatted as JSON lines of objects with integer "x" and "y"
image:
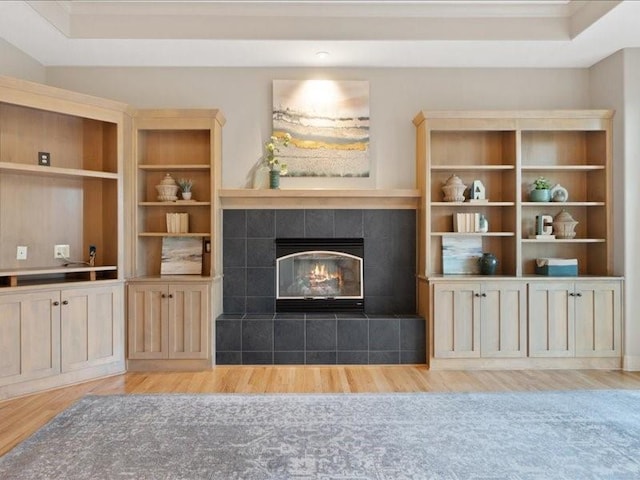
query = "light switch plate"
{"x": 21, "y": 253}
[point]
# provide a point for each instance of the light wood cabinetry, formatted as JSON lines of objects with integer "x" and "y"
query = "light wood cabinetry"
{"x": 55, "y": 337}
{"x": 168, "y": 321}
{"x": 575, "y": 319}
{"x": 507, "y": 151}
{"x": 170, "y": 317}
{"x": 479, "y": 319}
{"x": 61, "y": 183}
{"x": 91, "y": 327}
{"x": 76, "y": 200}
{"x": 30, "y": 340}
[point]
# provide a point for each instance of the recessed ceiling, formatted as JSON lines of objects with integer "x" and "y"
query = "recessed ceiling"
{"x": 356, "y": 33}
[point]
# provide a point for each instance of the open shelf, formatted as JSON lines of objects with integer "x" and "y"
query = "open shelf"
{"x": 54, "y": 171}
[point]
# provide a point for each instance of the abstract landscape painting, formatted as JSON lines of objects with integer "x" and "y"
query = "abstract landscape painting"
{"x": 329, "y": 126}
{"x": 461, "y": 255}
{"x": 181, "y": 255}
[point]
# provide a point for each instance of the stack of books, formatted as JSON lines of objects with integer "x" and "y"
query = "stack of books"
{"x": 177, "y": 222}
{"x": 466, "y": 222}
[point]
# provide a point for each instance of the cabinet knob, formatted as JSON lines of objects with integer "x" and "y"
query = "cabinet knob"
{"x": 65, "y": 302}
{"x": 171, "y": 295}
{"x": 55, "y": 304}
{"x": 484, "y": 294}
{"x": 476, "y": 294}
{"x": 163, "y": 296}
{"x": 578, "y": 294}
{"x": 572, "y": 294}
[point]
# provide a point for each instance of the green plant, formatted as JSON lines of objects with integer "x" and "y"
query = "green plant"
{"x": 185, "y": 184}
{"x": 541, "y": 183}
{"x": 272, "y": 148}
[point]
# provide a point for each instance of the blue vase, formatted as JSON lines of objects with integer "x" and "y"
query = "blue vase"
{"x": 488, "y": 264}
{"x": 540, "y": 195}
{"x": 274, "y": 179}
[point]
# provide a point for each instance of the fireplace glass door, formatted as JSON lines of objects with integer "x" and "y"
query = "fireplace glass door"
{"x": 319, "y": 274}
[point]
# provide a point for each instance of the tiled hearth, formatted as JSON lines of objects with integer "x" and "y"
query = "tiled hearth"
{"x": 319, "y": 338}
{"x": 251, "y": 332}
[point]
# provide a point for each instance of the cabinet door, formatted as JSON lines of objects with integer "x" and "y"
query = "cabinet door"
{"x": 147, "y": 317}
{"x": 503, "y": 319}
{"x": 551, "y": 319}
{"x": 29, "y": 336}
{"x": 188, "y": 321}
{"x": 456, "y": 314}
{"x": 91, "y": 320}
{"x": 598, "y": 318}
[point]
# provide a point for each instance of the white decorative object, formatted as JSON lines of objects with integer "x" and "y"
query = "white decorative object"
{"x": 564, "y": 225}
{"x": 167, "y": 189}
{"x": 559, "y": 193}
{"x": 177, "y": 222}
{"x": 544, "y": 224}
{"x": 454, "y": 189}
{"x": 477, "y": 192}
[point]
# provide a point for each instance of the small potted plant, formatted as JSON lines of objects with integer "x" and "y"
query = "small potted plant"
{"x": 275, "y": 166}
{"x": 185, "y": 185}
{"x": 541, "y": 190}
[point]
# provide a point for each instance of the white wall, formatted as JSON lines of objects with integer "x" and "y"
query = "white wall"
{"x": 15, "y": 63}
{"x": 614, "y": 83}
{"x": 396, "y": 96}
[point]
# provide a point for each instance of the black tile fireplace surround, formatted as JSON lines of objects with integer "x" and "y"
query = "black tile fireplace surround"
{"x": 387, "y": 332}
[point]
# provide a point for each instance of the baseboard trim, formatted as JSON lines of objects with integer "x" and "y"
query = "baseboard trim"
{"x": 631, "y": 363}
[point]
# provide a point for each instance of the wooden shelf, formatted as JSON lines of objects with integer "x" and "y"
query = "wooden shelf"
{"x": 166, "y": 234}
{"x": 13, "y": 274}
{"x": 319, "y": 198}
{"x": 474, "y": 205}
{"x": 559, "y": 168}
{"x": 174, "y": 166}
{"x": 563, "y": 204}
{"x": 565, "y": 240}
{"x": 473, "y": 167}
{"x": 472, "y": 234}
{"x": 174, "y": 204}
{"x": 55, "y": 171}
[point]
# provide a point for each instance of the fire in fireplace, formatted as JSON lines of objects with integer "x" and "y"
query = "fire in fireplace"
{"x": 319, "y": 274}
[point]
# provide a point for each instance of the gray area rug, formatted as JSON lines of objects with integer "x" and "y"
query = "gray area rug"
{"x": 541, "y": 435}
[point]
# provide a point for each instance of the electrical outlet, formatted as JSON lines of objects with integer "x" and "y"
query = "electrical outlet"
{"x": 44, "y": 159}
{"x": 61, "y": 251}
{"x": 21, "y": 253}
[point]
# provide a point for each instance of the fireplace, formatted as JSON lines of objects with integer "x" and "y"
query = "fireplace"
{"x": 319, "y": 274}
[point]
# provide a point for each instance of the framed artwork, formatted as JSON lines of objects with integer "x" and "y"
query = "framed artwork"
{"x": 328, "y": 121}
{"x": 181, "y": 256}
{"x": 460, "y": 255}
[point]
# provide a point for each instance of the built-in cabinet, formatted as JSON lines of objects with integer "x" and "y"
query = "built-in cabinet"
{"x": 479, "y": 319}
{"x": 171, "y": 317}
{"x": 575, "y": 319}
{"x": 61, "y": 184}
{"x": 50, "y": 337}
{"x": 470, "y": 316}
{"x": 169, "y": 320}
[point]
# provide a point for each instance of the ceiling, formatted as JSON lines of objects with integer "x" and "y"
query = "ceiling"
{"x": 355, "y": 33}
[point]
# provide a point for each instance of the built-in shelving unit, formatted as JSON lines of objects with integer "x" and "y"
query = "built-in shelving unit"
{"x": 477, "y": 321}
{"x": 170, "y": 317}
{"x": 76, "y": 200}
{"x": 61, "y": 319}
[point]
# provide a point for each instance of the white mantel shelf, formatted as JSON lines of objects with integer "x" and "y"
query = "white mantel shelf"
{"x": 242, "y": 198}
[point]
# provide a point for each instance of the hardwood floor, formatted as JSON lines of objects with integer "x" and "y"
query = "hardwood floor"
{"x": 21, "y": 417}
